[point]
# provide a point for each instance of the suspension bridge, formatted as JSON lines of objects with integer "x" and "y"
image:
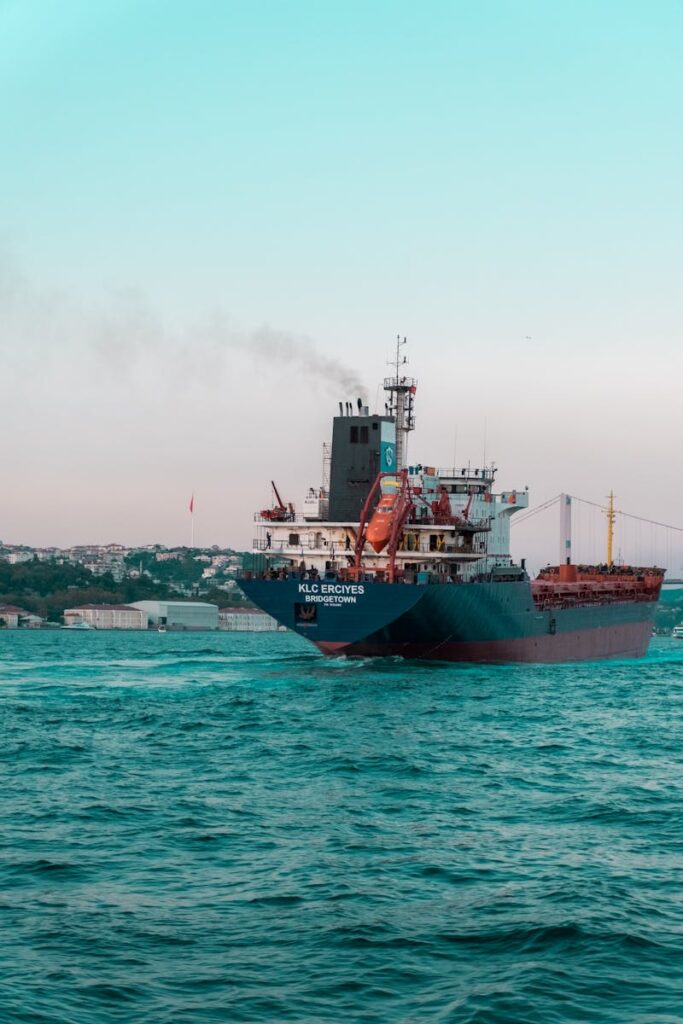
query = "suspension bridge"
{"x": 591, "y": 533}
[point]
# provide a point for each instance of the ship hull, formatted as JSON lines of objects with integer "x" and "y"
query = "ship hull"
{"x": 471, "y": 622}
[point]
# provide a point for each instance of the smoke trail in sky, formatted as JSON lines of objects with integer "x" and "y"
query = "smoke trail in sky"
{"x": 126, "y": 334}
{"x": 282, "y": 351}
{"x": 301, "y": 354}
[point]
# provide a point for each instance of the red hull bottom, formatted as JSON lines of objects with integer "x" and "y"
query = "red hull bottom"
{"x": 630, "y": 640}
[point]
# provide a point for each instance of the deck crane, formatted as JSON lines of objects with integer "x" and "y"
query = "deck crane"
{"x": 280, "y": 513}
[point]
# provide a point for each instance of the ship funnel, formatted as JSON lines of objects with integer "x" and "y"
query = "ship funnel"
{"x": 360, "y": 405}
{"x": 341, "y": 409}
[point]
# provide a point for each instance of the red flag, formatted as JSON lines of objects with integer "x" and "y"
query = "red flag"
{"x": 192, "y": 505}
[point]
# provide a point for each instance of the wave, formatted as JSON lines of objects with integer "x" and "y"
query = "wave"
{"x": 236, "y": 828}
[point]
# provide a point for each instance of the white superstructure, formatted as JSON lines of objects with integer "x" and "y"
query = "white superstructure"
{"x": 480, "y": 534}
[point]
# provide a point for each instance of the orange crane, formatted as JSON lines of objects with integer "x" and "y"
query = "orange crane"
{"x": 280, "y": 513}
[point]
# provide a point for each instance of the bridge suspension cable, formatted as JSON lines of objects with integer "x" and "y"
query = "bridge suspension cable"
{"x": 628, "y": 515}
{"x": 516, "y": 520}
{"x": 534, "y": 511}
{"x": 644, "y": 540}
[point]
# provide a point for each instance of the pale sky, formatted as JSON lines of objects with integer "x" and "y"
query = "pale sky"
{"x": 215, "y": 217}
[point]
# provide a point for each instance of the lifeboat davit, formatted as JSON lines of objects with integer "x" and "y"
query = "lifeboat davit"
{"x": 379, "y": 527}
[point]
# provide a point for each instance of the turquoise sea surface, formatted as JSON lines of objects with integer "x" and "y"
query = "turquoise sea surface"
{"x": 226, "y": 827}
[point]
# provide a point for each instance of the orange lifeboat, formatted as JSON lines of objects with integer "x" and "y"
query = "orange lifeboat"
{"x": 379, "y": 527}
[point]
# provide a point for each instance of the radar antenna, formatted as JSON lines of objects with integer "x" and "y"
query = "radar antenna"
{"x": 401, "y": 390}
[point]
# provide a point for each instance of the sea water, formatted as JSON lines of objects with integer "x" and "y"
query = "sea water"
{"x": 226, "y": 827}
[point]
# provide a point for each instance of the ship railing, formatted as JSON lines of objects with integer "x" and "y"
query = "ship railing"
{"x": 346, "y": 576}
{"x": 276, "y": 546}
{"x": 287, "y": 517}
{"x": 602, "y": 573}
{"x": 594, "y": 600}
{"x": 310, "y": 544}
{"x": 454, "y": 523}
{"x": 428, "y": 520}
{"x": 405, "y": 383}
{"x": 466, "y": 473}
{"x": 381, "y": 576}
{"x": 304, "y": 545}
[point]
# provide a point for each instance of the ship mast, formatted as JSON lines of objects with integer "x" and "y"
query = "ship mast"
{"x": 401, "y": 391}
{"x": 611, "y": 516}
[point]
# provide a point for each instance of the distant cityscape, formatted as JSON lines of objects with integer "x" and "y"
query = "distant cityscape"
{"x": 110, "y": 586}
{"x": 217, "y": 564}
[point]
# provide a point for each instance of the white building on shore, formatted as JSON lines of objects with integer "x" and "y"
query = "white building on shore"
{"x": 180, "y": 614}
{"x": 251, "y": 620}
{"x": 12, "y": 617}
{"x": 106, "y": 616}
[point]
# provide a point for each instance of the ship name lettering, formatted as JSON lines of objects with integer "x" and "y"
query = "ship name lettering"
{"x": 331, "y": 588}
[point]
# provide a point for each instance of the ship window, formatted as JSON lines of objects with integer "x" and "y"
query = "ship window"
{"x": 364, "y": 435}
{"x": 375, "y": 425}
{"x": 354, "y": 435}
{"x": 293, "y": 539}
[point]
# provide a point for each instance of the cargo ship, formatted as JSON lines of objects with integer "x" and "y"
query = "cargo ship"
{"x": 389, "y": 557}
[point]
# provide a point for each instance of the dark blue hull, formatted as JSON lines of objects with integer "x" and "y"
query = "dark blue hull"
{"x": 488, "y": 622}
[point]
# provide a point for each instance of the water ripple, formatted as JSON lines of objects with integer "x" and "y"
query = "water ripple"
{"x": 229, "y": 828}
